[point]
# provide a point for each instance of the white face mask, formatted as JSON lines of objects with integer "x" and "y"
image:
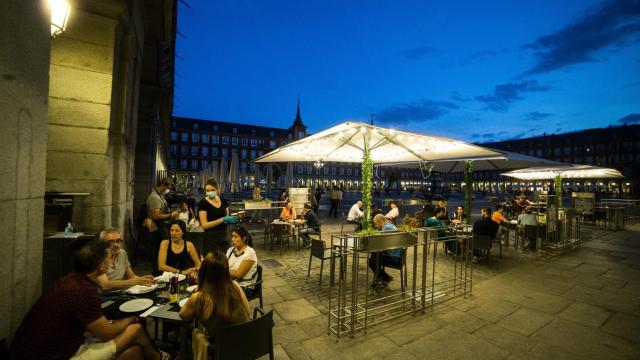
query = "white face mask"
{"x": 212, "y": 194}
{"x": 166, "y": 191}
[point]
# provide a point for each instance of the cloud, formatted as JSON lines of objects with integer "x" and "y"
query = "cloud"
{"x": 418, "y": 53}
{"x": 455, "y": 96}
{"x": 535, "y": 116}
{"x": 504, "y": 94}
{"x": 482, "y": 55}
{"x": 630, "y": 119}
{"x": 415, "y": 111}
{"x": 610, "y": 23}
{"x": 631, "y": 84}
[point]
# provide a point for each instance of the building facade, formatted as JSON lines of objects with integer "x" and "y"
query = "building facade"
{"x": 615, "y": 147}
{"x": 197, "y": 143}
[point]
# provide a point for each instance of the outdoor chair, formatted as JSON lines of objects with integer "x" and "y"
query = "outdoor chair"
{"x": 320, "y": 251}
{"x": 348, "y": 223}
{"x": 482, "y": 242}
{"x": 257, "y": 286}
{"x": 247, "y": 341}
{"x": 267, "y": 235}
{"x": 402, "y": 267}
{"x": 531, "y": 234}
{"x": 281, "y": 233}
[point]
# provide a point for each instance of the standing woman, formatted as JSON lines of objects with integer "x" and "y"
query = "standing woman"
{"x": 213, "y": 212}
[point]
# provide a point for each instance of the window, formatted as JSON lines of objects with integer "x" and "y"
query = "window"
{"x": 172, "y": 164}
{"x": 333, "y": 170}
{"x": 349, "y": 171}
{"x": 300, "y": 169}
{"x": 174, "y": 136}
{"x": 253, "y": 154}
{"x": 290, "y": 136}
{"x": 601, "y": 147}
{"x": 300, "y": 134}
{"x": 309, "y": 169}
{"x": 567, "y": 150}
{"x": 215, "y": 127}
{"x": 243, "y": 154}
{"x": 225, "y": 152}
{"x": 234, "y": 141}
{"x": 194, "y": 164}
{"x": 195, "y": 137}
{"x": 356, "y": 171}
{"x": 272, "y": 134}
{"x": 205, "y": 163}
{"x": 215, "y": 139}
{"x": 235, "y": 130}
{"x": 185, "y": 137}
{"x": 174, "y": 124}
{"x": 272, "y": 144}
{"x": 205, "y": 138}
{"x": 214, "y": 152}
{"x": 183, "y": 164}
{"x": 539, "y": 152}
{"x": 195, "y": 126}
{"x": 245, "y": 142}
{"x": 254, "y": 142}
{"x": 326, "y": 170}
{"x": 194, "y": 151}
{"x": 184, "y": 149}
{"x": 205, "y": 151}
{"x": 174, "y": 149}
{"x": 252, "y": 166}
{"x": 341, "y": 171}
{"x": 253, "y": 132}
{"x": 225, "y": 140}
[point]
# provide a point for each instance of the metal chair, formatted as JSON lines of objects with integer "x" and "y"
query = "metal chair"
{"x": 247, "y": 341}
{"x": 531, "y": 233}
{"x": 400, "y": 267}
{"x": 349, "y": 223}
{"x": 320, "y": 251}
{"x": 482, "y": 242}
{"x": 257, "y": 286}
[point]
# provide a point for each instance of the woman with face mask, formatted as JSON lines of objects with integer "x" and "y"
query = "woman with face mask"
{"x": 213, "y": 212}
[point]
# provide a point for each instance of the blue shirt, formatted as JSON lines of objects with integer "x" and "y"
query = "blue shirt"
{"x": 395, "y": 253}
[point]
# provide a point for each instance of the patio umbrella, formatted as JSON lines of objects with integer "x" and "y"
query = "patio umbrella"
{"x": 234, "y": 173}
{"x": 368, "y": 144}
{"x": 222, "y": 176}
{"x": 288, "y": 179}
{"x": 269, "y": 178}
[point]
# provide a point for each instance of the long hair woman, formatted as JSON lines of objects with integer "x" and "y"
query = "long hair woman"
{"x": 219, "y": 300}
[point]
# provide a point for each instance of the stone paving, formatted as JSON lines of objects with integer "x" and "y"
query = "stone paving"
{"x": 581, "y": 304}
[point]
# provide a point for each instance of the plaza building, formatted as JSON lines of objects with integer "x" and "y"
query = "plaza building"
{"x": 198, "y": 143}
{"x": 615, "y": 147}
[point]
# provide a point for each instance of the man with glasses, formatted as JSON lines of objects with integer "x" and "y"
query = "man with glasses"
{"x": 119, "y": 275}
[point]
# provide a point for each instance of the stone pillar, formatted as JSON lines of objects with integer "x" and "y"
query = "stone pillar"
{"x": 24, "y": 86}
{"x": 93, "y": 113}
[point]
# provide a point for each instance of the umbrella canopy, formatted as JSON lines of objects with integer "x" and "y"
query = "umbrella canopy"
{"x": 288, "y": 179}
{"x": 346, "y": 143}
{"x": 234, "y": 173}
{"x": 568, "y": 171}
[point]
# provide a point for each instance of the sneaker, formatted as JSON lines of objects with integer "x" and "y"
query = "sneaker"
{"x": 306, "y": 246}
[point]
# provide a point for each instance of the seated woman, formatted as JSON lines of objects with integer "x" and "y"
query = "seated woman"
{"x": 185, "y": 214}
{"x": 219, "y": 300}
{"x": 177, "y": 255}
{"x": 288, "y": 212}
{"x": 243, "y": 261}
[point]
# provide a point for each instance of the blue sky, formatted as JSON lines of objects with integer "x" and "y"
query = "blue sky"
{"x": 475, "y": 71}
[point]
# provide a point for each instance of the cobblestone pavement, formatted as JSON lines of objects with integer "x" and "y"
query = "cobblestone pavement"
{"x": 582, "y": 304}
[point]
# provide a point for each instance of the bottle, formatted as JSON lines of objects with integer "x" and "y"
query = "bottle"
{"x": 68, "y": 230}
{"x": 173, "y": 290}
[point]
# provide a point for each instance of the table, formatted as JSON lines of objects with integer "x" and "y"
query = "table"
{"x": 281, "y": 227}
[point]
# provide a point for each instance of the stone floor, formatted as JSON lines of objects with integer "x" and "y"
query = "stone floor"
{"x": 584, "y": 304}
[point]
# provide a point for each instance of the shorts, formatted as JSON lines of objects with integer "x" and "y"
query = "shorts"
{"x": 96, "y": 351}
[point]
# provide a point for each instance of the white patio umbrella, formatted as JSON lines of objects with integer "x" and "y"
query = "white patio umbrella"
{"x": 288, "y": 179}
{"x": 565, "y": 171}
{"x": 222, "y": 176}
{"x": 367, "y": 144}
{"x": 269, "y": 178}
{"x": 234, "y": 173}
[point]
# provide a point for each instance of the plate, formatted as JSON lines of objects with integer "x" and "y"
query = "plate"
{"x": 136, "y": 305}
{"x": 183, "y": 301}
{"x": 141, "y": 289}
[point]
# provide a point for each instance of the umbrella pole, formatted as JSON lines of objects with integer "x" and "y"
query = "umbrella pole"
{"x": 468, "y": 190}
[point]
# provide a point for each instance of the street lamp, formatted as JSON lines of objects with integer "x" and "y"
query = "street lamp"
{"x": 60, "y": 10}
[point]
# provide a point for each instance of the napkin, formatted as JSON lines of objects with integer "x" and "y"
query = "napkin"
{"x": 141, "y": 289}
{"x": 166, "y": 277}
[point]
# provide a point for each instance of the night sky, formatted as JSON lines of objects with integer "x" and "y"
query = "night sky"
{"x": 472, "y": 70}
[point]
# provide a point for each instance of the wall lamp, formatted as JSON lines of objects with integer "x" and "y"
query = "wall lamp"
{"x": 60, "y": 10}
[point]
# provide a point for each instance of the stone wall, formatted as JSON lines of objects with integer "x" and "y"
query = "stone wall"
{"x": 92, "y": 118}
{"x": 24, "y": 85}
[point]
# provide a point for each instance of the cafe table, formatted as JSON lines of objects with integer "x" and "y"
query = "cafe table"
{"x": 283, "y": 226}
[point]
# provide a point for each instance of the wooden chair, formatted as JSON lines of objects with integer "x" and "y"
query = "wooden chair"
{"x": 247, "y": 341}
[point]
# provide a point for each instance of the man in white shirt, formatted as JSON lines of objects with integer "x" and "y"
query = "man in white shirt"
{"x": 393, "y": 213}
{"x": 355, "y": 213}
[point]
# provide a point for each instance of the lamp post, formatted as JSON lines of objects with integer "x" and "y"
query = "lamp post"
{"x": 60, "y": 10}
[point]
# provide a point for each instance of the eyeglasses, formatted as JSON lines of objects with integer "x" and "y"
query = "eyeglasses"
{"x": 116, "y": 241}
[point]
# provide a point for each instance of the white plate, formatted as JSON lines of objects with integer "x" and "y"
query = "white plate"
{"x": 141, "y": 289}
{"x": 136, "y": 305}
{"x": 192, "y": 288}
{"x": 183, "y": 301}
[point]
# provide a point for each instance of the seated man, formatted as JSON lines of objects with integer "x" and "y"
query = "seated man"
{"x": 436, "y": 221}
{"x": 499, "y": 219}
{"x": 526, "y": 218}
{"x": 459, "y": 217}
{"x": 313, "y": 225}
{"x": 393, "y": 214}
{"x": 119, "y": 275}
{"x": 355, "y": 213}
{"x": 55, "y": 325}
{"x": 384, "y": 258}
{"x": 484, "y": 226}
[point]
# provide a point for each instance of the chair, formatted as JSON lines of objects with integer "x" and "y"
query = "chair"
{"x": 482, "y": 242}
{"x": 257, "y": 286}
{"x": 320, "y": 251}
{"x": 401, "y": 266}
{"x": 348, "y": 223}
{"x": 267, "y": 235}
{"x": 247, "y": 341}
{"x": 531, "y": 233}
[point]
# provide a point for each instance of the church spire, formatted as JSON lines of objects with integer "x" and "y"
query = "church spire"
{"x": 298, "y": 120}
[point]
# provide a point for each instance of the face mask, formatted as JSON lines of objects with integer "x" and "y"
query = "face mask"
{"x": 166, "y": 191}
{"x": 211, "y": 194}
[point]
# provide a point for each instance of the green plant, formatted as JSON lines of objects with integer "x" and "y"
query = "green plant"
{"x": 468, "y": 189}
{"x": 367, "y": 185}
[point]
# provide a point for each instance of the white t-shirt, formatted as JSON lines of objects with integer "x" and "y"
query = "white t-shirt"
{"x": 247, "y": 254}
{"x": 354, "y": 213}
{"x": 393, "y": 213}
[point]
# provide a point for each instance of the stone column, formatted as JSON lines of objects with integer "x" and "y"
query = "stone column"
{"x": 24, "y": 87}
